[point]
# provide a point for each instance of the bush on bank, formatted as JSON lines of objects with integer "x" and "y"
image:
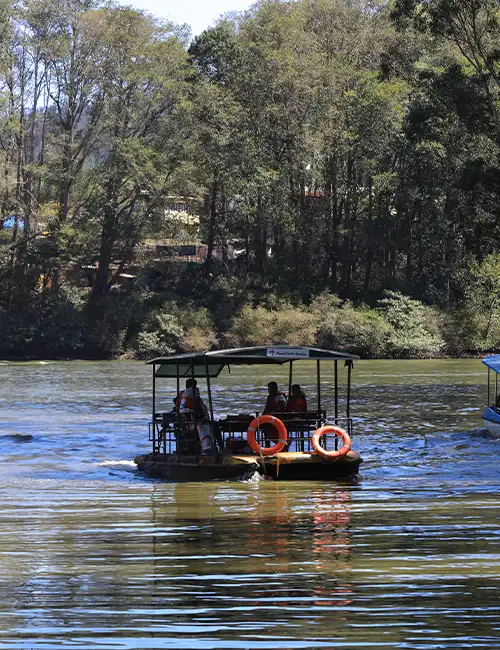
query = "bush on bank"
{"x": 360, "y": 331}
{"x": 260, "y": 326}
{"x": 142, "y": 326}
{"x": 173, "y": 328}
{"x": 399, "y": 327}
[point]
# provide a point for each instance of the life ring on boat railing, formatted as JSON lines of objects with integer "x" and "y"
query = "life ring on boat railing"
{"x": 255, "y": 424}
{"x": 337, "y": 453}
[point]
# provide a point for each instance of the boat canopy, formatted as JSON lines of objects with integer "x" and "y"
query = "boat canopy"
{"x": 203, "y": 364}
{"x": 493, "y": 362}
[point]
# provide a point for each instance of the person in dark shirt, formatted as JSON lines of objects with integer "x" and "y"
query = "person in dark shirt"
{"x": 276, "y": 401}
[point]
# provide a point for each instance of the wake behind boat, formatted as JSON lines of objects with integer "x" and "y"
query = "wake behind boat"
{"x": 290, "y": 440}
{"x": 491, "y": 414}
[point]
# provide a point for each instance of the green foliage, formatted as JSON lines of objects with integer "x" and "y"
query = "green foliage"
{"x": 461, "y": 332}
{"x": 360, "y": 331}
{"x": 108, "y": 325}
{"x": 49, "y": 327}
{"x": 162, "y": 335}
{"x": 483, "y": 293}
{"x": 475, "y": 326}
{"x": 260, "y": 326}
{"x": 414, "y": 332}
{"x": 199, "y": 331}
{"x": 175, "y": 328}
{"x": 215, "y": 52}
{"x": 332, "y": 150}
{"x": 323, "y": 303}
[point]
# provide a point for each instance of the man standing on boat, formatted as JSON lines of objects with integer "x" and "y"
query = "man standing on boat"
{"x": 191, "y": 403}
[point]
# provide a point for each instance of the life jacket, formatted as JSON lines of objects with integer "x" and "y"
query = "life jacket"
{"x": 190, "y": 403}
{"x": 297, "y": 404}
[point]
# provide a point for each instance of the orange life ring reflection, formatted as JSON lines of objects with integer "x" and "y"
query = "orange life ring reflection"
{"x": 331, "y": 547}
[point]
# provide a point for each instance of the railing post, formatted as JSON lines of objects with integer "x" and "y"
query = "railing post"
{"x": 336, "y": 392}
{"x": 348, "y": 405}
{"x": 154, "y": 408}
{"x": 209, "y": 390}
{"x": 318, "y": 379}
{"x": 193, "y": 388}
{"x": 177, "y": 425}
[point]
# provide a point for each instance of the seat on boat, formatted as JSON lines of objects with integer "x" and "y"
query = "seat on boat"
{"x": 186, "y": 435}
{"x": 300, "y": 427}
{"x": 182, "y": 429}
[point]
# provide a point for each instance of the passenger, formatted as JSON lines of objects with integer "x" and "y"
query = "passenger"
{"x": 191, "y": 402}
{"x": 186, "y": 396}
{"x": 172, "y": 415}
{"x": 275, "y": 401}
{"x": 297, "y": 402}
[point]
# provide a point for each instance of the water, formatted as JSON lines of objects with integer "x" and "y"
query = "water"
{"x": 94, "y": 555}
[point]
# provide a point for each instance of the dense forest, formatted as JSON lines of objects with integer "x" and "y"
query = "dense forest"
{"x": 338, "y": 164}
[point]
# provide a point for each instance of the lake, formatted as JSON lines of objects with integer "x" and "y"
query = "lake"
{"x": 95, "y": 555}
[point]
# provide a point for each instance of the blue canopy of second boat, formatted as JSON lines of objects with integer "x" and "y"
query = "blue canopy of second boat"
{"x": 493, "y": 362}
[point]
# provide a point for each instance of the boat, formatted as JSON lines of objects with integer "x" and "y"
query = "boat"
{"x": 491, "y": 414}
{"x": 308, "y": 445}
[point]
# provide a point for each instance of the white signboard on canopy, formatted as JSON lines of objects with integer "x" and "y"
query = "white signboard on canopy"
{"x": 288, "y": 353}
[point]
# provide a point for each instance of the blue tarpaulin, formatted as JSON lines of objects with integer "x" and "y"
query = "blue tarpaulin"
{"x": 493, "y": 362}
{"x": 9, "y": 222}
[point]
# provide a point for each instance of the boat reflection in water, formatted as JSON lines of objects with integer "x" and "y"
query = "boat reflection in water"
{"x": 241, "y": 551}
{"x": 331, "y": 547}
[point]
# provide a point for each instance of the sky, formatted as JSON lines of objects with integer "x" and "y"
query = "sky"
{"x": 199, "y": 14}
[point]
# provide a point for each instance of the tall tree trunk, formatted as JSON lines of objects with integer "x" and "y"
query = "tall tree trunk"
{"x": 108, "y": 239}
{"x": 335, "y": 216}
{"x": 108, "y": 236}
{"x": 212, "y": 222}
{"x": 370, "y": 240}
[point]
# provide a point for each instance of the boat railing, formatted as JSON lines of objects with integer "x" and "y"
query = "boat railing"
{"x": 170, "y": 434}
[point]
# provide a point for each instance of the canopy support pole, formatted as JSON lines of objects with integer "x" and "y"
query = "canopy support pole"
{"x": 209, "y": 390}
{"x": 336, "y": 393}
{"x": 193, "y": 388}
{"x": 488, "y": 387}
{"x": 177, "y": 407}
{"x": 153, "y": 420}
{"x": 154, "y": 391}
{"x": 290, "y": 380}
{"x": 177, "y": 401}
{"x": 318, "y": 380}
{"x": 348, "y": 405}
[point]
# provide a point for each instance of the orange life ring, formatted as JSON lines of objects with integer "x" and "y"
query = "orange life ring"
{"x": 280, "y": 428}
{"x": 337, "y": 453}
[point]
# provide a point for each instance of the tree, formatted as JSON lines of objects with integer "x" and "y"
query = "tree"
{"x": 473, "y": 29}
{"x": 143, "y": 85}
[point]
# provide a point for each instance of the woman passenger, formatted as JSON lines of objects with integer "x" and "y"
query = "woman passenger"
{"x": 297, "y": 402}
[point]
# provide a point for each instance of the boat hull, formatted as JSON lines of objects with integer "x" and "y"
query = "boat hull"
{"x": 297, "y": 466}
{"x": 491, "y": 420}
{"x": 286, "y": 466}
{"x": 170, "y": 468}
